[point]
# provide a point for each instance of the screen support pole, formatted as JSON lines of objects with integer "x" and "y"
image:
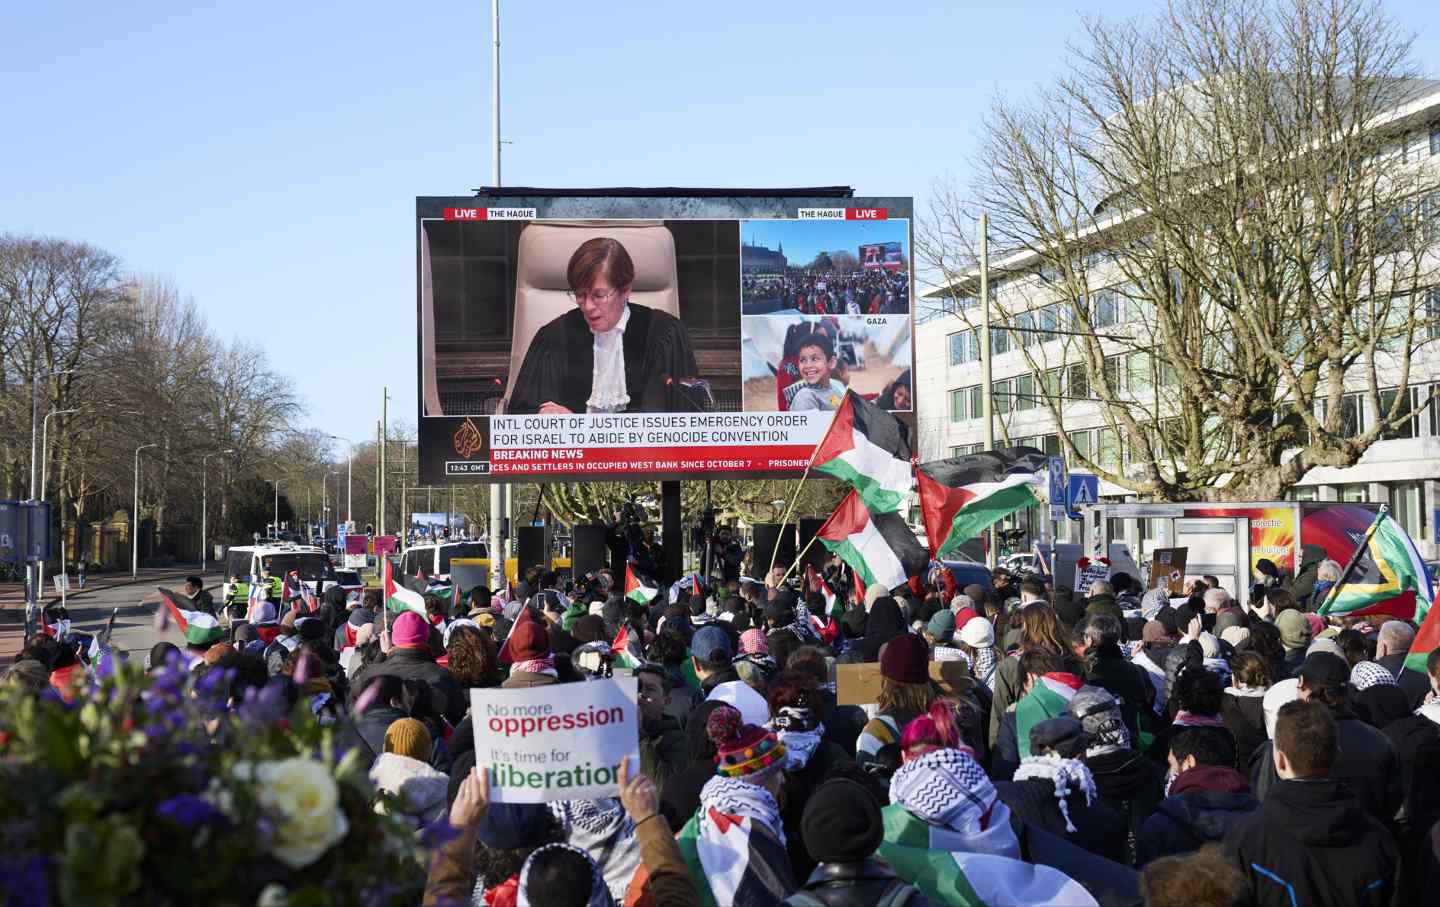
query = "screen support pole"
{"x": 670, "y": 530}
{"x": 497, "y": 493}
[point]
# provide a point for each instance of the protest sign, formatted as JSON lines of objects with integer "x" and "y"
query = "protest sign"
{"x": 859, "y": 684}
{"x": 560, "y": 742}
{"x": 1167, "y": 569}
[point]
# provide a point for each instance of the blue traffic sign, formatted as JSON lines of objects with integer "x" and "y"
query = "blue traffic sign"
{"x": 1083, "y": 490}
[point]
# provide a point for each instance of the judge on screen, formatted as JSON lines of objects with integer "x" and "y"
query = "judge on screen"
{"x": 608, "y": 354}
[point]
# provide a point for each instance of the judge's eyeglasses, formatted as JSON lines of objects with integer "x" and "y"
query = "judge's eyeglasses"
{"x": 600, "y": 296}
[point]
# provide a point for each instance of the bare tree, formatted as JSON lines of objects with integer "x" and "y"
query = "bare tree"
{"x": 1217, "y": 206}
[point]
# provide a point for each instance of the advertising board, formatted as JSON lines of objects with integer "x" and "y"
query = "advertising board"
{"x": 614, "y": 336}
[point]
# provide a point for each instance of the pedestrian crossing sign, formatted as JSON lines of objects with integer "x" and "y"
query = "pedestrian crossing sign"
{"x": 1084, "y": 490}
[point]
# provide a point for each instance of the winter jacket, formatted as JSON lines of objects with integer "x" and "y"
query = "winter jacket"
{"x": 842, "y": 722}
{"x": 1416, "y": 739}
{"x": 1312, "y": 843}
{"x": 1415, "y": 684}
{"x": 519, "y": 680}
{"x": 864, "y": 884}
{"x": 1184, "y": 655}
{"x": 664, "y": 876}
{"x": 1105, "y": 604}
{"x": 1130, "y": 783}
{"x": 1129, "y": 683}
{"x": 452, "y": 871}
{"x": 795, "y": 793}
{"x": 1098, "y": 827}
{"x": 420, "y": 664}
{"x": 1290, "y": 667}
{"x": 663, "y": 750}
{"x": 1009, "y": 687}
{"x": 1204, "y": 804}
{"x": 421, "y": 788}
{"x": 1244, "y": 716}
{"x": 1366, "y": 762}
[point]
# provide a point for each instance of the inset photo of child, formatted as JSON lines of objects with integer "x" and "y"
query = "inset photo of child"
{"x": 797, "y": 362}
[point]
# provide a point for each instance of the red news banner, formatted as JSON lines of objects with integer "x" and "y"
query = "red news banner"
{"x": 653, "y": 442}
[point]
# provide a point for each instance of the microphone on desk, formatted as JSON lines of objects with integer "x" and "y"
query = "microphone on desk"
{"x": 687, "y": 385}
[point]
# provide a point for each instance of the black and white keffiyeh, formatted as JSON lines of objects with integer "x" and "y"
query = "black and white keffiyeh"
{"x": 734, "y": 797}
{"x": 801, "y": 732}
{"x": 599, "y": 893}
{"x": 602, "y": 830}
{"x": 944, "y": 787}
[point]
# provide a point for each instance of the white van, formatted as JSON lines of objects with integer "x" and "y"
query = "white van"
{"x": 434, "y": 559}
{"x": 243, "y": 562}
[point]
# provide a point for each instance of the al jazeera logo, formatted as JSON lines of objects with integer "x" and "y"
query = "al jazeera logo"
{"x": 468, "y": 441}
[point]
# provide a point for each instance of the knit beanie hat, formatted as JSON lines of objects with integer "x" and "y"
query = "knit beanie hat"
{"x": 528, "y": 640}
{"x": 1294, "y": 629}
{"x": 752, "y": 642}
{"x": 904, "y": 659}
{"x": 410, "y": 629}
{"x": 743, "y": 750}
{"x": 942, "y": 625}
{"x": 842, "y": 822}
{"x": 408, "y": 737}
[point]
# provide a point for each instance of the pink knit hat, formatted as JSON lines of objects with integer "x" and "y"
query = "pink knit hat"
{"x": 410, "y": 629}
{"x": 753, "y": 642}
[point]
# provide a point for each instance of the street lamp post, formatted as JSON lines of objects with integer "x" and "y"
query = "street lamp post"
{"x": 44, "y": 463}
{"x": 349, "y": 482}
{"x": 32, "y": 571}
{"x": 205, "y": 504}
{"x": 135, "y": 527}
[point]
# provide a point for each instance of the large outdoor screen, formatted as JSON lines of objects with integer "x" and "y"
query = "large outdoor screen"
{"x": 638, "y": 337}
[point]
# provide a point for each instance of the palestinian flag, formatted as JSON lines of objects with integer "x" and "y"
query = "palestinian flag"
{"x": 1046, "y": 700}
{"x": 400, "y": 597}
{"x": 880, "y": 548}
{"x": 626, "y": 648}
{"x": 200, "y": 629}
{"x": 1388, "y": 576}
{"x": 1426, "y": 641}
{"x": 819, "y": 585}
{"x": 635, "y": 590}
{"x": 948, "y": 870}
{"x": 732, "y": 860}
{"x": 961, "y": 496}
{"x": 867, "y": 447}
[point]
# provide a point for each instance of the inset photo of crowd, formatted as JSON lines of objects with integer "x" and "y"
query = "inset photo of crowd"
{"x": 794, "y": 362}
{"x": 825, "y": 267}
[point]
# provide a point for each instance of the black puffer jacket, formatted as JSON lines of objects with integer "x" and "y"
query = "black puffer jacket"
{"x": 863, "y": 884}
{"x": 419, "y": 664}
{"x": 1245, "y": 719}
{"x": 1107, "y": 667}
{"x": 1312, "y": 843}
{"x": 1098, "y": 827}
{"x": 1130, "y": 783}
{"x": 1205, "y": 803}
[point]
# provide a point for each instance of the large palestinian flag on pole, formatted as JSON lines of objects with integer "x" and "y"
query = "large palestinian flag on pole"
{"x": 961, "y": 496}
{"x": 867, "y": 447}
{"x": 879, "y": 547}
{"x": 1387, "y": 576}
{"x": 400, "y": 597}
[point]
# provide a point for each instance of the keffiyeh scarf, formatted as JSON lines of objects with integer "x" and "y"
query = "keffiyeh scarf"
{"x": 803, "y": 627}
{"x": 801, "y": 732}
{"x": 599, "y": 894}
{"x": 1068, "y": 775}
{"x": 544, "y": 665}
{"x": 734, "y": 797}
{"x": 949, "y": 791}
{"x": 601, "y": 829}
{"x": 1367, "y": 674}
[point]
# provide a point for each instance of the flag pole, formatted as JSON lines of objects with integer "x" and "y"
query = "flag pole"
{"x": 799, "y": 557}
{"x": 1354, "y": 559}
{"x": 796, "y": 497}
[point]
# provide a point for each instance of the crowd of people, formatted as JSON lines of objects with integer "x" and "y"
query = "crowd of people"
{"x": 1025, "y": 744}
{"x": 874, "y": 291}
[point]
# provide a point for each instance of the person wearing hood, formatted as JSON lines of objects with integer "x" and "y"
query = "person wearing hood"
{"x": 662, "y": 742}
{"x": 532, "y": 660}
{"x": 883, "y": 623}
{"x": 404, "y": 771}
{"x": 810, "y": 759}
{"x": 1311, "y": 841}
{"x": 1366, "y": 760}
{"x": 1295, "y": 637}
{"x": 1206, "y": 800}
{"x": 1125, "y": 779}
{"x": 1054, "y": 791}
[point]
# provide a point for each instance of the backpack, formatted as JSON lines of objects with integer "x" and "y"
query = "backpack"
{"x": 897, "y": 894}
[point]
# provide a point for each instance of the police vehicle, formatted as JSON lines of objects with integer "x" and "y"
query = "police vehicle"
{"x": 278, "y": 559}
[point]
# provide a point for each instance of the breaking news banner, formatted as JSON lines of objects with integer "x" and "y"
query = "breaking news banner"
{"x": 592, "y": 316}
{"x": 560, "y": 742}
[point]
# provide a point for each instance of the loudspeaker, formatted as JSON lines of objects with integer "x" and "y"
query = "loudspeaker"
{"x": 765, "y": 535}
{"x": 531, "y": 549}
{"x": 591, "y": 551}
{"x": 815, "y": 554}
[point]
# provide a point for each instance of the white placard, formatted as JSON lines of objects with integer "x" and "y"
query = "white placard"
{"x": 558, "y": 742}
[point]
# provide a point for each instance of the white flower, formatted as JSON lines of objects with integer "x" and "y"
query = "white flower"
{"x": 273, "y": 896}
{"x": 303, "y": 801}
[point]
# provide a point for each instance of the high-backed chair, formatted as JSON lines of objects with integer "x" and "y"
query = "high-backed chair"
{"x": 541, "y": 287}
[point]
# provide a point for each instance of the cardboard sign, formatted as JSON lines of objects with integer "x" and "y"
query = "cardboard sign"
{"x": 1167, "y": 565}
{"x": 1093, "y": 572}
{"x": 559, "y": 742}
{"x": 859, "y": 684}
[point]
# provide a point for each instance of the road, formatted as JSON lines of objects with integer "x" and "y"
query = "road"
{"x": 134, "y": 624}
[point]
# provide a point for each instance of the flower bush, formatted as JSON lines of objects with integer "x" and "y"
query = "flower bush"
{"x": 148, "y": 790}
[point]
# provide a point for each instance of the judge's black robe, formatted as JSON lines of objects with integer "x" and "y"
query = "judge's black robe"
{"x": 559, "y": 367}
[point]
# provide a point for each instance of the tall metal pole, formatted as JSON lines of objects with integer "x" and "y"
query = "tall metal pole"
{"x": 384, "y": 443}
{"x": 277, "y": 507}
{"x": 44, "y": 483}
{"x": 377, "y": 518}
{"x": 135, "y": 523}
{"x": 987, "y": 404}
{"x": 497, "y": 550}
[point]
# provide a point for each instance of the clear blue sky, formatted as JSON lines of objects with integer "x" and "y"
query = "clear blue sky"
{"x": 265, "y": 156}
{"x": 804, "y": 239}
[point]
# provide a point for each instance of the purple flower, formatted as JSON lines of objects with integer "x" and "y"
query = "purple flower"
{"x": 27, "y": 884}
{"x": 187, "y": 811}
